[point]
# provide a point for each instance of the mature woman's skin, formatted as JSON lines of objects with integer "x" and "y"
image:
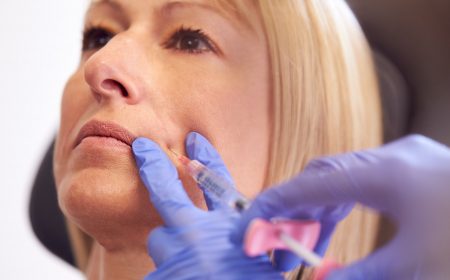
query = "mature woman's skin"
{"x": 160, "y": 86}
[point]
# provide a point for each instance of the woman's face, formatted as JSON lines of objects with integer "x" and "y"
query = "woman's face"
{"x": 158, "y": 69}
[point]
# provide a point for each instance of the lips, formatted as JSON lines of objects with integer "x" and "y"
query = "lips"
{"x": 97, "y": 128}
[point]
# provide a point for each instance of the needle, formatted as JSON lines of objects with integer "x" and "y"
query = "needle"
{"x": 175, "y": 153}
{"x": 323, "y": 266}
{"x": 184, "y": 160}
{"x": 309, "y": 256}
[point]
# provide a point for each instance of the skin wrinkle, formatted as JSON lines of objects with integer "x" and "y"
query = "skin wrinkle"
{"x": 170, "y": 93}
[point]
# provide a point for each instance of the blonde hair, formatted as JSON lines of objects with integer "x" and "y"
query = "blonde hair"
{"x": 325, "y": 100}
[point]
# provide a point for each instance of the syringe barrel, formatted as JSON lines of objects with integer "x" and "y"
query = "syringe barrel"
{"x": 217, "y": 187}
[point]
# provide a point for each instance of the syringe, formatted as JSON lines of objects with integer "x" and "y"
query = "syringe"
{"x": 223, "y": 192}
{"x": 216, "y": 187}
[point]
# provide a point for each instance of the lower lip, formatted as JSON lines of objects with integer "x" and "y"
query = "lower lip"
{"x": 98, "y": 142}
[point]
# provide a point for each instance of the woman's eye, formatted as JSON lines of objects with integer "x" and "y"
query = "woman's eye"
{"x": 190, "y": 40}
{"x": 96, "y": 38}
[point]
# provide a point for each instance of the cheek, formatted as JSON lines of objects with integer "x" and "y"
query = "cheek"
{"x": 231, "y": 109}
{"x": 73, "y": 106}
{"x": 244, "y": 132}
{"x": 75, "y": 102}
{"x": 245, "y": 122}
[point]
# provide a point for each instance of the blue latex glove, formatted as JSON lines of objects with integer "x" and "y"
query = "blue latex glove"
{"x": 193, "y": 244}
{"x": 408, "y": 180}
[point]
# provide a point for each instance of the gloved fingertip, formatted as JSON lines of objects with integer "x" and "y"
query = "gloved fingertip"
{"x": 199, "y": 148}
{"x": 142, "y": 144}
{"x": 142, "y": 148}
{"x": 195, "y": 142}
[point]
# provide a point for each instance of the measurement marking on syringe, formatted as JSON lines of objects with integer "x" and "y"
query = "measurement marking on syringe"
{"x": 210, "y": 185}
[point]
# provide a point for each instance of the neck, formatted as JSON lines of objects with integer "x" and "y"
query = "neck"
{"x": 120, "y": 264}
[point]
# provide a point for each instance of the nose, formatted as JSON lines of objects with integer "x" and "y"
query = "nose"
{"x": 114, "y": 72}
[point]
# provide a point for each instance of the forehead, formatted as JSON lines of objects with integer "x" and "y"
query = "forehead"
{"x": 242, "y": 11}
{"x": 224, "y": 4}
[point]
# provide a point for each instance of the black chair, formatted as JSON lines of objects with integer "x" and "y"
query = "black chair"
{"x": 46, "y": 218}
{"x": 411, "y": 44}
{"x": 411, "y": 38}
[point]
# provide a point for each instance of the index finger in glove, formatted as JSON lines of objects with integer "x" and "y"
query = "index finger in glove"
{"x": 199, "y": 148}
{"x": 160, "y": 177}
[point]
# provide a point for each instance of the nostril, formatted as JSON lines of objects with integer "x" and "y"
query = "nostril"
{"x": 111, "y": 85}
{"x": 123, "y": 90}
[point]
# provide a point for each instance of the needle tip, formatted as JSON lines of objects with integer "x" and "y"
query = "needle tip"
{"x": 181, "y": 158}
{"x": 175, "y": 153}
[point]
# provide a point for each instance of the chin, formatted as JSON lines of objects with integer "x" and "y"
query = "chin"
{"x": 104, "y": 196}
{"x": 111, "y": 206}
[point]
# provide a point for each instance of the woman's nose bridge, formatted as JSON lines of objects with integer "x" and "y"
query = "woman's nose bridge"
{"x": 117, "y": 70}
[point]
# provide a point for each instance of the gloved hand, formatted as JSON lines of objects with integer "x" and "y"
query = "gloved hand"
{"x": 193, "y": 243}
{"x": 408, "y": 180}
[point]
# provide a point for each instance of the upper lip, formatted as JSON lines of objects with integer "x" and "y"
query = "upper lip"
{"x": 105, "y": 129}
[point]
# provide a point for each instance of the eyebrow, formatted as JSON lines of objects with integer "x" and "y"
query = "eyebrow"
{"x": 221, "y": 11}
{"x": 177, "y": 3}
{"x": 167, "y": 7}
{"x": 112, "y": 3}
{"x": 164, "y": 8}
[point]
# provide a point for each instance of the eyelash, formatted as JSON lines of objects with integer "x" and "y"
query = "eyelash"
{"x": 96, "y": 37}
{"x": 94, "y": 33}
{"x": 197, "y": 34}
